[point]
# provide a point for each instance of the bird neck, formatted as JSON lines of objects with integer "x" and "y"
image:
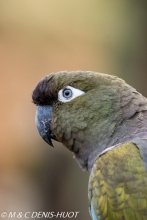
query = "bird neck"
{"x": 131, "y": 124}
{"x": 128, "y": 131}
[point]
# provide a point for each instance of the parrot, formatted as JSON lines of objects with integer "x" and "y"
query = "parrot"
{"x": 103, "y": 121}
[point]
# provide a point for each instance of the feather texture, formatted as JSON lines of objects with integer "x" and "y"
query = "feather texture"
{"x": 103, "y": 121}
{"x": 118, "y": 184}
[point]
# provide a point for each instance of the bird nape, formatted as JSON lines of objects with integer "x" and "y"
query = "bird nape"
{"x": 103, "y": 121}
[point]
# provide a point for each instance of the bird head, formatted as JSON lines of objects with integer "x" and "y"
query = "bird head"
{"x": 82, "y": 110}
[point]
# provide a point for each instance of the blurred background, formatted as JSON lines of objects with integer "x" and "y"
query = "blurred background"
{"x": 38, "y": 37}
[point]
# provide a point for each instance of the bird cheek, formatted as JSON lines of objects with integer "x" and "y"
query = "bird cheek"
{"x": 67, "y": 133}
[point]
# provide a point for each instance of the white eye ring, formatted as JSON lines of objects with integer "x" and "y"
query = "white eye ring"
{"x": 69, "y": 93}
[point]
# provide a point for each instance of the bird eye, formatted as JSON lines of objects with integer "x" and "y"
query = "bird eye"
{"x": 67, "y": 93}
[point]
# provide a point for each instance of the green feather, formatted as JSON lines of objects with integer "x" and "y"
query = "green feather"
{"x": 106, "y": 129}
{"x": 117, "y": 184}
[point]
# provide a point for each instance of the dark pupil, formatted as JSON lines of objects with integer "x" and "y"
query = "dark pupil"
{"x": 67, "y": 93}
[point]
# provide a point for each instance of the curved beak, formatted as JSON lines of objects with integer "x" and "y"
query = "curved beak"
{"x": 43, "y": 123}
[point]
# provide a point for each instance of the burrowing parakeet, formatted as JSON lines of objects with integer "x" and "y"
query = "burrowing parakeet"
{"x": 103, "y": 121}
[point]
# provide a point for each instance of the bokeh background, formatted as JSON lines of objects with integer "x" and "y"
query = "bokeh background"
{"x": 38, "y": 37}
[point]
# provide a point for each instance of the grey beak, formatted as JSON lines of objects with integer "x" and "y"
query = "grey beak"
{"x": 43, "y": 123}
